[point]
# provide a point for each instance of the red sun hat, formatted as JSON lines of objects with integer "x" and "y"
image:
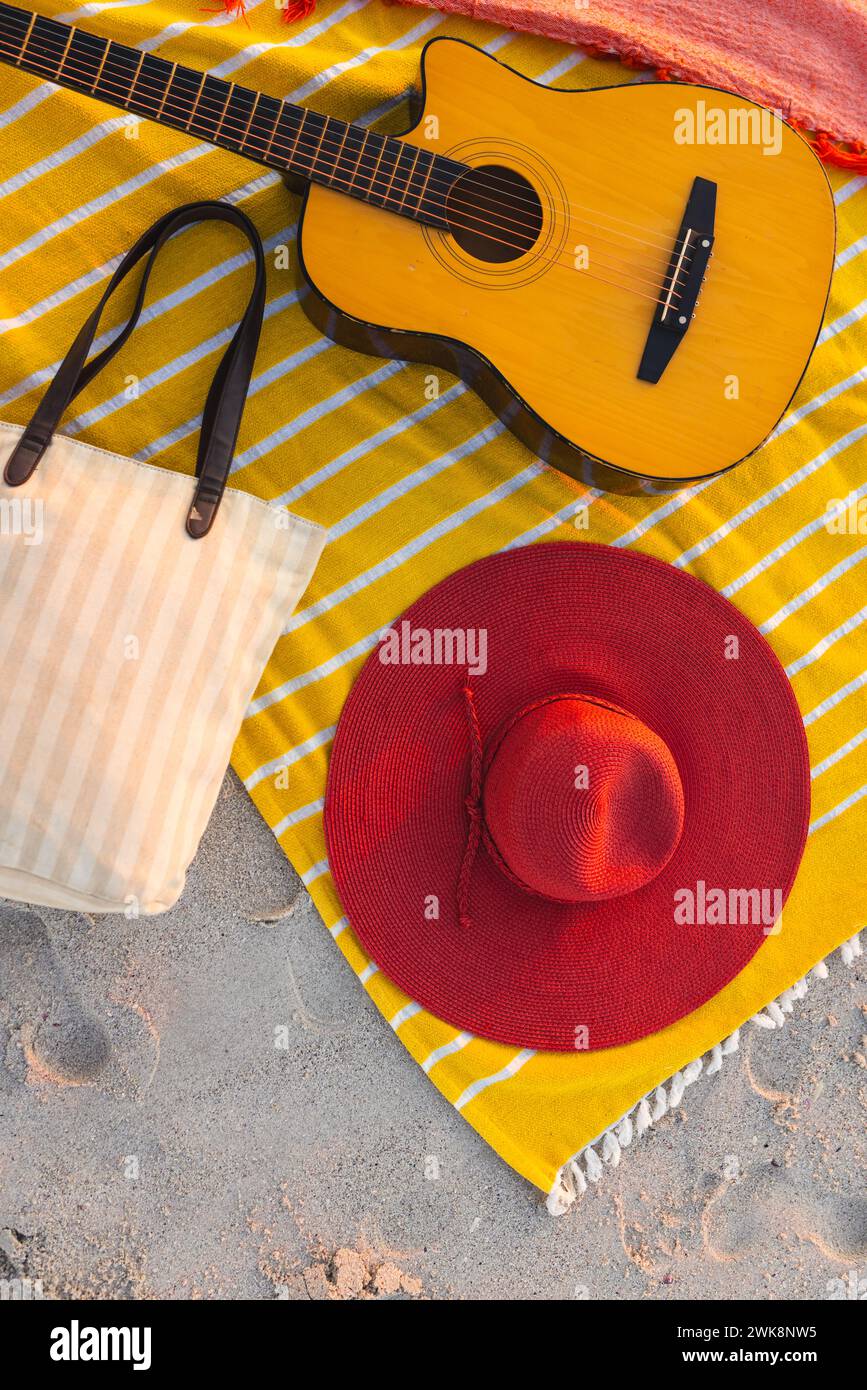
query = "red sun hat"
{"x": 568, "y": 797}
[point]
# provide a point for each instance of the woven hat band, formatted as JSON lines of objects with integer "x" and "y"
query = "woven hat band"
{"x": 581, "y": 801}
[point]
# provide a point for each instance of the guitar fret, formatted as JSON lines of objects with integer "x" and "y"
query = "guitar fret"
{"x": 409, "y": 179}
{"x": 341, "y": 149}
{"x": 196, "y": 102}
{"x": 26, "y": 39}
{"x": 353, "y": 167}
{"x": 315, "y": 157}
{"x": 304, "y": 116}
{"x": 95, "y": 82}
{"x": 249, "y": 121}
{"x": 360, "y": 160}
{"x": 420, "y": 178}
{"x": 398, "y": 173}
{"x": 420, "y": 201}
{"x": 390, "y": 185}
{"x": 131, "y": 92}
{"x": 277, "y": 116}
{"x": 14, "y": 25}
{"x": 373, "y": 177}
{"x": 65, "y": 51}
{"x": 391, "y": 154}
{"x": 165, "y": 93}
{"x": 224, "y": 110}
{"x": 332, "y": 152}
{"x": 261, "y": 125}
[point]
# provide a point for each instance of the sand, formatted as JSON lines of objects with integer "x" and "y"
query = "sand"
{"x": 206, "y": 1105}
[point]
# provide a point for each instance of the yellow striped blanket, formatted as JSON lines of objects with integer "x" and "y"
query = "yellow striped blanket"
{"x": 414, "y": 484}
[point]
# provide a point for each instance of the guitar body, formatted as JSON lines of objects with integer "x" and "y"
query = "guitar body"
{"x": 548, "y": 319}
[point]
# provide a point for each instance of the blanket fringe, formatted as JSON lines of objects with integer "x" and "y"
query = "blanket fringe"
{"x": 292, "y": 9}
{"x": 846, "y": 154}
{"x": 588, "y": 1166}
{"x": 297, "y": 9}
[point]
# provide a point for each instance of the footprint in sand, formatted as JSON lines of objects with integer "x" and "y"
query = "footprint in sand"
{"x": 57, "y": 1040}
{"x": 738, "y": 1217}
{"x": 68, "y": 1051}
{"x": 52, "y": 1037}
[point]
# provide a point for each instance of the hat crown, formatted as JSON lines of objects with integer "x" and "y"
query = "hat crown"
{"x": 582, "y": 801}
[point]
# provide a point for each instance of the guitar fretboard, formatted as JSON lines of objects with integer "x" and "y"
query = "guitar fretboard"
{"x": 379, "y": 169}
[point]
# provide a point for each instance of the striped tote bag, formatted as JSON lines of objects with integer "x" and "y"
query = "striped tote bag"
{"x": 138, "y": 608}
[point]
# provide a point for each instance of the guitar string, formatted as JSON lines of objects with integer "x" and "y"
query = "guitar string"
{"x": 554, "y": 261}
{"x": 239, "y": 122}
{"x": 620, "y": 267}
{"x": 661, "y": 284}
{"x": 514, "y": 197}
{"x": 658, "y": 281}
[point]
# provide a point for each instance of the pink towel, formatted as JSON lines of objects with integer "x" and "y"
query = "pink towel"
{"x": 805, "y": 58}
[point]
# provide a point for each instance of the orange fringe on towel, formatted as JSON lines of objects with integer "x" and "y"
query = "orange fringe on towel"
{"x": 297, "y": 9}
{"x": 235, "y": 7}
{"x": 292, "y": 9}
{"x": 846, "y": 154}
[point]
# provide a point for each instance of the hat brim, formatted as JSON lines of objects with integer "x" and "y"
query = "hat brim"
{"x": 623, "y": 627}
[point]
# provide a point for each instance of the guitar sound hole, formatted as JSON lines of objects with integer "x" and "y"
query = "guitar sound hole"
{"x": 494, "y": 214}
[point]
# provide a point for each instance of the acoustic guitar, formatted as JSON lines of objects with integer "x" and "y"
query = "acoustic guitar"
{"x": 633, "y": 278}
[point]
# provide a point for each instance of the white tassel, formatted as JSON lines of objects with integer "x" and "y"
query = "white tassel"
{"x": 820, "y": 971}
{"x": 692, "y": 1072}
{"x": 610, "y": 1148}
{"x": 731, "y": 1043}
{"x": 624, "y": 1132}
{"x": 592, "y": 1164}
{"x": 851, "y": 949}
{"x": 676, "y": 1090}
{"x": 763, "y": 1020}
{"x": 715, "y": 1063}
{"x": 643, "y": 1118}
{"x": 576, "y": 1172}
{"x": 660, "y": 1103}
{"x": 559, "y": 1199}
{"x": 775, "y": 1012}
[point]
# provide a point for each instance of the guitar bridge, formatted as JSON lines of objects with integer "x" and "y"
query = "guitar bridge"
{"x": 682, "y": 281}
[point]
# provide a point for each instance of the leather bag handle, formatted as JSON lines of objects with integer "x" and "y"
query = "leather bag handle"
{"x": 221, "y": 418}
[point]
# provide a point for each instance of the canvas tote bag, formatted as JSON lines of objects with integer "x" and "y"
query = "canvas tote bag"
{"x": 138, "y": 608}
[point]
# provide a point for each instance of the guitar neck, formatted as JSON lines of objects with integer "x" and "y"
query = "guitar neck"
{"x": 378, "y": 169}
